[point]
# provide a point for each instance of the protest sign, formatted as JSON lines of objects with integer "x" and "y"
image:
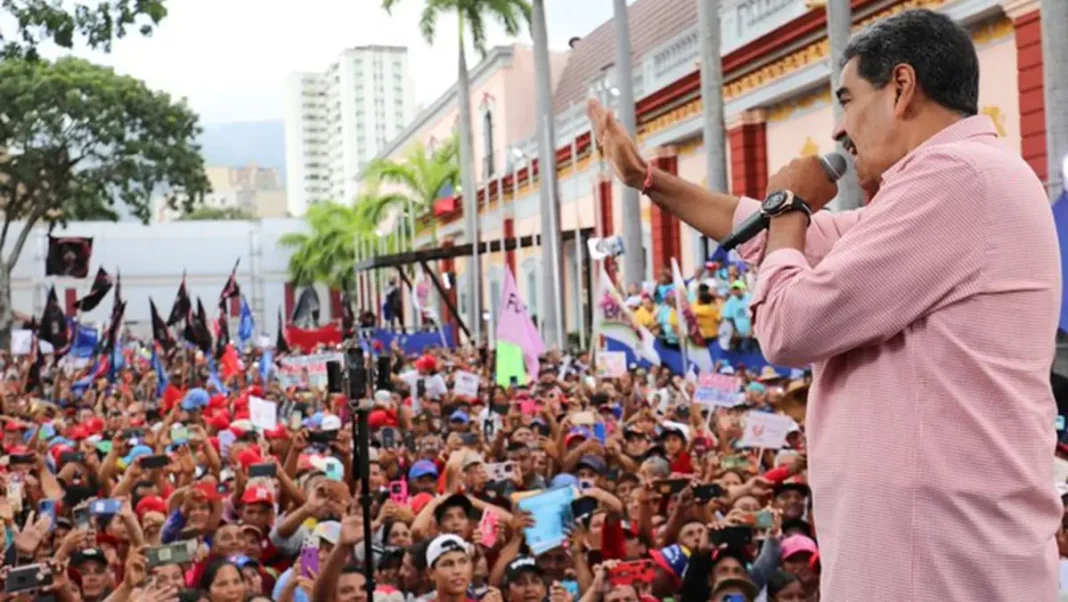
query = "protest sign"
{"x": 434, "y": 383}
{"x": 307, "y": 370}
{"x": 465, "y": 384}
{"x": 551, "y": 511}
{"x": 717, "y": 390}
{"x": 611, "y": 364}
{"x": 765, "y": 430}
{"x": 262, "y": 413}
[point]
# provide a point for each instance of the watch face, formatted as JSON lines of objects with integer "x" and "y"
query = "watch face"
{"x": 775, "y": 202}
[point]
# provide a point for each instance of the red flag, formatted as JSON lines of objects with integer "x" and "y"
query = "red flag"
{"x": 230, "y": 362}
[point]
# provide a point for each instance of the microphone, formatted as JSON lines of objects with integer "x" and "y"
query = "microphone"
{"x": 834, "y": 165}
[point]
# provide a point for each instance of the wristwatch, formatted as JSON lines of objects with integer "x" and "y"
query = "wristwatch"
{"x": 784, "y": 201}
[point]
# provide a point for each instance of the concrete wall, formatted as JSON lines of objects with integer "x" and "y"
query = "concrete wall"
{"x": 152, "y": 259}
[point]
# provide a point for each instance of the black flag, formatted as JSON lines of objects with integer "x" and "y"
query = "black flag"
{"x": 33, "y": 377}
{"x": 201, "y": 333}
{"x": 118, "y": 312}
{"x": 160, "y": 333}
{"x": 348, "y": 320}
{"x": 280, "y": 345}
{"x": 101, "y": 285}
{"x": 222, "y": 333}
{"x": 181, "y": 306}
{"x": 306, "y": 313}
{"x": 68, "y": 256}
{"x": 231, "y": 289}
{"x": 54, "y": 327}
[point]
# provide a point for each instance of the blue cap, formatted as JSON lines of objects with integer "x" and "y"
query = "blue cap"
{"x": 137, "y": 452}
{"x": 674, "y": 558}
{"x": 756, "y": 387}
{"x": 314, "y": 421}
{"x": 61, "y": 441}
{"x": 458, "y": 416}
{"x": 563, "y": 480}
{"x": 195, "y": 398}
{"x": 422, "y": 468}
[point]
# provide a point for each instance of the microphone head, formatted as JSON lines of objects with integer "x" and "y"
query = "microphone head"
{"x": 835, "y": 165}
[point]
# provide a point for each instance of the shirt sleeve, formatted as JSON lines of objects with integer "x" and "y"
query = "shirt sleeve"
{"x": 288, "y": 546}
{"x": 918, "y": 248}
{"x": 826, "y": 228}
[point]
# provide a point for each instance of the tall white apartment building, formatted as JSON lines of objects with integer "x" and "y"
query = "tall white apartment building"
{"x": 339, "y": 120}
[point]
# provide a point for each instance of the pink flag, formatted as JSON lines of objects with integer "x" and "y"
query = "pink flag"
{"x": 516, "y": 327}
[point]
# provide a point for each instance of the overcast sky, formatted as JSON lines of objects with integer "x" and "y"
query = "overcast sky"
{"x": 230, "y": 58}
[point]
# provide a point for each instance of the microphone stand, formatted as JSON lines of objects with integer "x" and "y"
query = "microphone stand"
{"x": 361, "y": 437}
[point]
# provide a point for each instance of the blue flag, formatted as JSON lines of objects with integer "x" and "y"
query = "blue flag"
{"x": 247, "y": 326}
{"x": 161, "y": 374}
{"x": 86, "y": 339}
{"x": 118, "y": 361}
{"x": 266, "y": 363}
{"x": 1060, "y": 221}
{"x": 213, "y": 376}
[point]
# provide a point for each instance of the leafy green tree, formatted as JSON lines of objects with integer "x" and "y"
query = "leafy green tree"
{"x": 96, "y": 23}
{"x": 79, "y": 139}
{"x": 421, "y": 175}
{"x": 326, "y": 252}
{"x": 217, "y": 213}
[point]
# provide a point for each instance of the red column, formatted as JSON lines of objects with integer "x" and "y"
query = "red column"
{"x": 749, "y": 155}
{"x": 70, "y": 297}
{"x": 1029, "y": 81}
{"x": 289, "y": 300}
{"x": 664, "y": 226}
{"x": 335, "y": 304}
{"x": 607, "y": 225}
{"x": 509, "y": 233}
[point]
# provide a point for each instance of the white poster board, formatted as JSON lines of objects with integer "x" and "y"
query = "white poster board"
{"x": 262, "y": 414}
{"x": 765, "y": 430}
{"x": 465, "y": 384}
{"x": 611, "y": 364}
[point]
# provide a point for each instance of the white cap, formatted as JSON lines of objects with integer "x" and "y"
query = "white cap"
{"x": 330, "y": 423}
{"x": 383, "y": 396}
{"x": 329, "y": 531}
{"x": 1062, "y": 489}
{"x": 443, "y": 544}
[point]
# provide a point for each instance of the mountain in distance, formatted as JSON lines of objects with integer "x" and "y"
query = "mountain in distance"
{"x": 237, "y": 143}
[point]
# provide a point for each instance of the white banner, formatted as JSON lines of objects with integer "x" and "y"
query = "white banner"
{"x": 262, "y": 413}
{"x": 306, "y": 369}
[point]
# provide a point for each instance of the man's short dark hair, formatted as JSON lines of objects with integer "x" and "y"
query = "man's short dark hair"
{"x": 938, "y": 49}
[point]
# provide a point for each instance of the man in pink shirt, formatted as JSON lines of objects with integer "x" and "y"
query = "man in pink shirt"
{"x": 929, "y": 318}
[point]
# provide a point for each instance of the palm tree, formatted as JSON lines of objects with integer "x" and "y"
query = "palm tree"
{"x": 423, "y": 175}
{"x": 470, "y": 16}
{"x": 326, "y": 253}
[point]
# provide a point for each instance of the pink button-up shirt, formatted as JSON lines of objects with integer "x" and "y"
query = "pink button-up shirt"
{"x": 929, "y": 317}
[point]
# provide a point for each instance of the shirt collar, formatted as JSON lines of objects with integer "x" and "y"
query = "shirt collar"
{"x": 977, "y": 126}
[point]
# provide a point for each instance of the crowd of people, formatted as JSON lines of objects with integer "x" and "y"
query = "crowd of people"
{"x": 133, "y": 489}
{"x": 718, "y": 296}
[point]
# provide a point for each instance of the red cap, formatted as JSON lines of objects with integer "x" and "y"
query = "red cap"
{"x": 257, "y": 495}
{"x": 256, "y": 391}
{"x": 95, "y": 425}
{"x": 58, "y": 451}
{"x": 18, "y": 450}
{"x": 219, "y": 421}
{"x": 380, "y": 418}
{"x": 249, "y": 456}
{"x": 218, "y": 401}
{"x": 152, "y": 503}
{"x": 426, "y": 363}
{"x": 243, "y": 413}
{"x": 13, "y": 426}
{"x": 78, "y": 432}
{"x": 278, "y": 432}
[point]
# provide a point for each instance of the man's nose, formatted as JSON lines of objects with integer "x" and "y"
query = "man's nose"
{"x": 839, "y": 132}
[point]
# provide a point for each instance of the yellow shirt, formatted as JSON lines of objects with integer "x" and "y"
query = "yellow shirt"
{"x": 645, "y": 317}
{"x": 707, "y": 315}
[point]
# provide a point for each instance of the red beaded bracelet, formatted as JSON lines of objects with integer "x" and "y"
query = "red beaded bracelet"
{"x": 648, "y": 182}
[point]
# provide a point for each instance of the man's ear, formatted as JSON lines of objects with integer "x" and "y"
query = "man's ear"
{"x": 903, "y": 79}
